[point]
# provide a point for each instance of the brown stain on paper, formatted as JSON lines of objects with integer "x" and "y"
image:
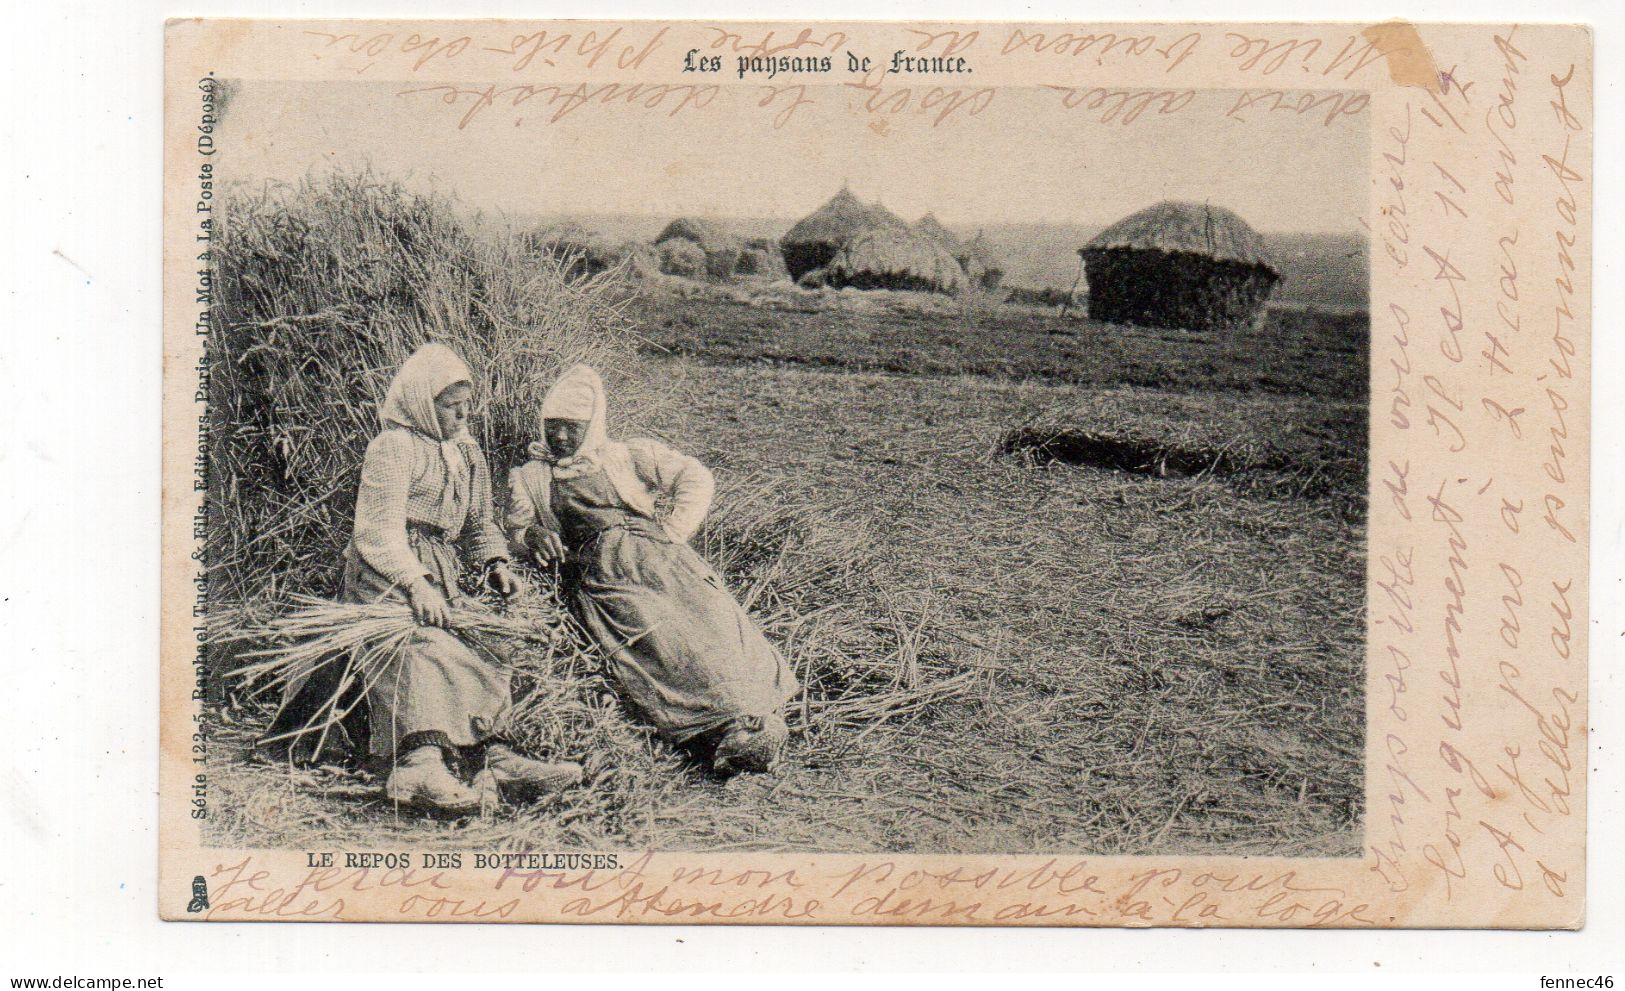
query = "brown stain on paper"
{"x": 1410, "y": 63}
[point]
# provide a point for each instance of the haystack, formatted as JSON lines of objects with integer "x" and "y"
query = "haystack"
{"x": 1179, "y": 265}
{"x": 680, "y": 256}
{"x": 983, "y": 264}
{"x": 892, "y": 258}
{"x": 323, "y": 289}
{"x": 760, "y": 256}
{"x": 885, "y": 218}
{"x": 720, "y": 246}
{"x": 582, "y": 252}
{"x": 639, "y": 260}
{"x": 930, "y": 227}
{"x": 814, "y": 240}
{"x": 818, "y": 278}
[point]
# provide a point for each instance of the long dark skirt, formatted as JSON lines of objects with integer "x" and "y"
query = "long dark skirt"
{"x": 440, "y": 688}
{"x": 679, "y": 646}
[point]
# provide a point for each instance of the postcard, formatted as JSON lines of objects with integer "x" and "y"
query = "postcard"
{"x": 1032, "y": 474}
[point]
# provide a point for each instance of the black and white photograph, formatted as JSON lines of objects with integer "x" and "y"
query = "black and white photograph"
{"x": 746, "y": 490}
{"x": 656, "y": 485}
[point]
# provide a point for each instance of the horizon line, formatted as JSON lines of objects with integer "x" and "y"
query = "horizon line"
{"x": 791, "y": 221}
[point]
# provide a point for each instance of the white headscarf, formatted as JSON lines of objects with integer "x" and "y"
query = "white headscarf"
{"x": 579, "y": 395}
{"x": 431, "y": 370}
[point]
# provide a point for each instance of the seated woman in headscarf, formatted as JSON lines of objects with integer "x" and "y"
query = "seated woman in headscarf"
{"x": 423, "y": 509}
{"x": 678, "y": 645}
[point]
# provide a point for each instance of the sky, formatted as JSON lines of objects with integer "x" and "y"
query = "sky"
{"x": 1024, "y": 158}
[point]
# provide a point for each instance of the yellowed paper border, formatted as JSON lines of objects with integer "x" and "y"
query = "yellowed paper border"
{"x": 1479, "y": 215}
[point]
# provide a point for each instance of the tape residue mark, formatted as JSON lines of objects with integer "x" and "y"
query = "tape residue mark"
{"x": 1409, "y": 61}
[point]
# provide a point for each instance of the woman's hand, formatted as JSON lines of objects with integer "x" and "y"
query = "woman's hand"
{"x": 502, "y": 580}
{"x": 429, "y": 606}
{"x": 545, "y": 544}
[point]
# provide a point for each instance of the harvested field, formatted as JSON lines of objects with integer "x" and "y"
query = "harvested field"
{"x": 1013, "y": 637}
{"x": 1170, "y": 664}
{"x": 1117, "y": 703}
{"x": 1296, "y": 351}
{"x": 1263, "y": 443}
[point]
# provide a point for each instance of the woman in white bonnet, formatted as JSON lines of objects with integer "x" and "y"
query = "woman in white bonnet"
{"x": 679, "y": 646}
{"x": 423, "y": 512}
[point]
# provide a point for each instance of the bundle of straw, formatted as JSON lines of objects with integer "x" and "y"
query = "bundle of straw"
{"x": 367, "y": 638}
